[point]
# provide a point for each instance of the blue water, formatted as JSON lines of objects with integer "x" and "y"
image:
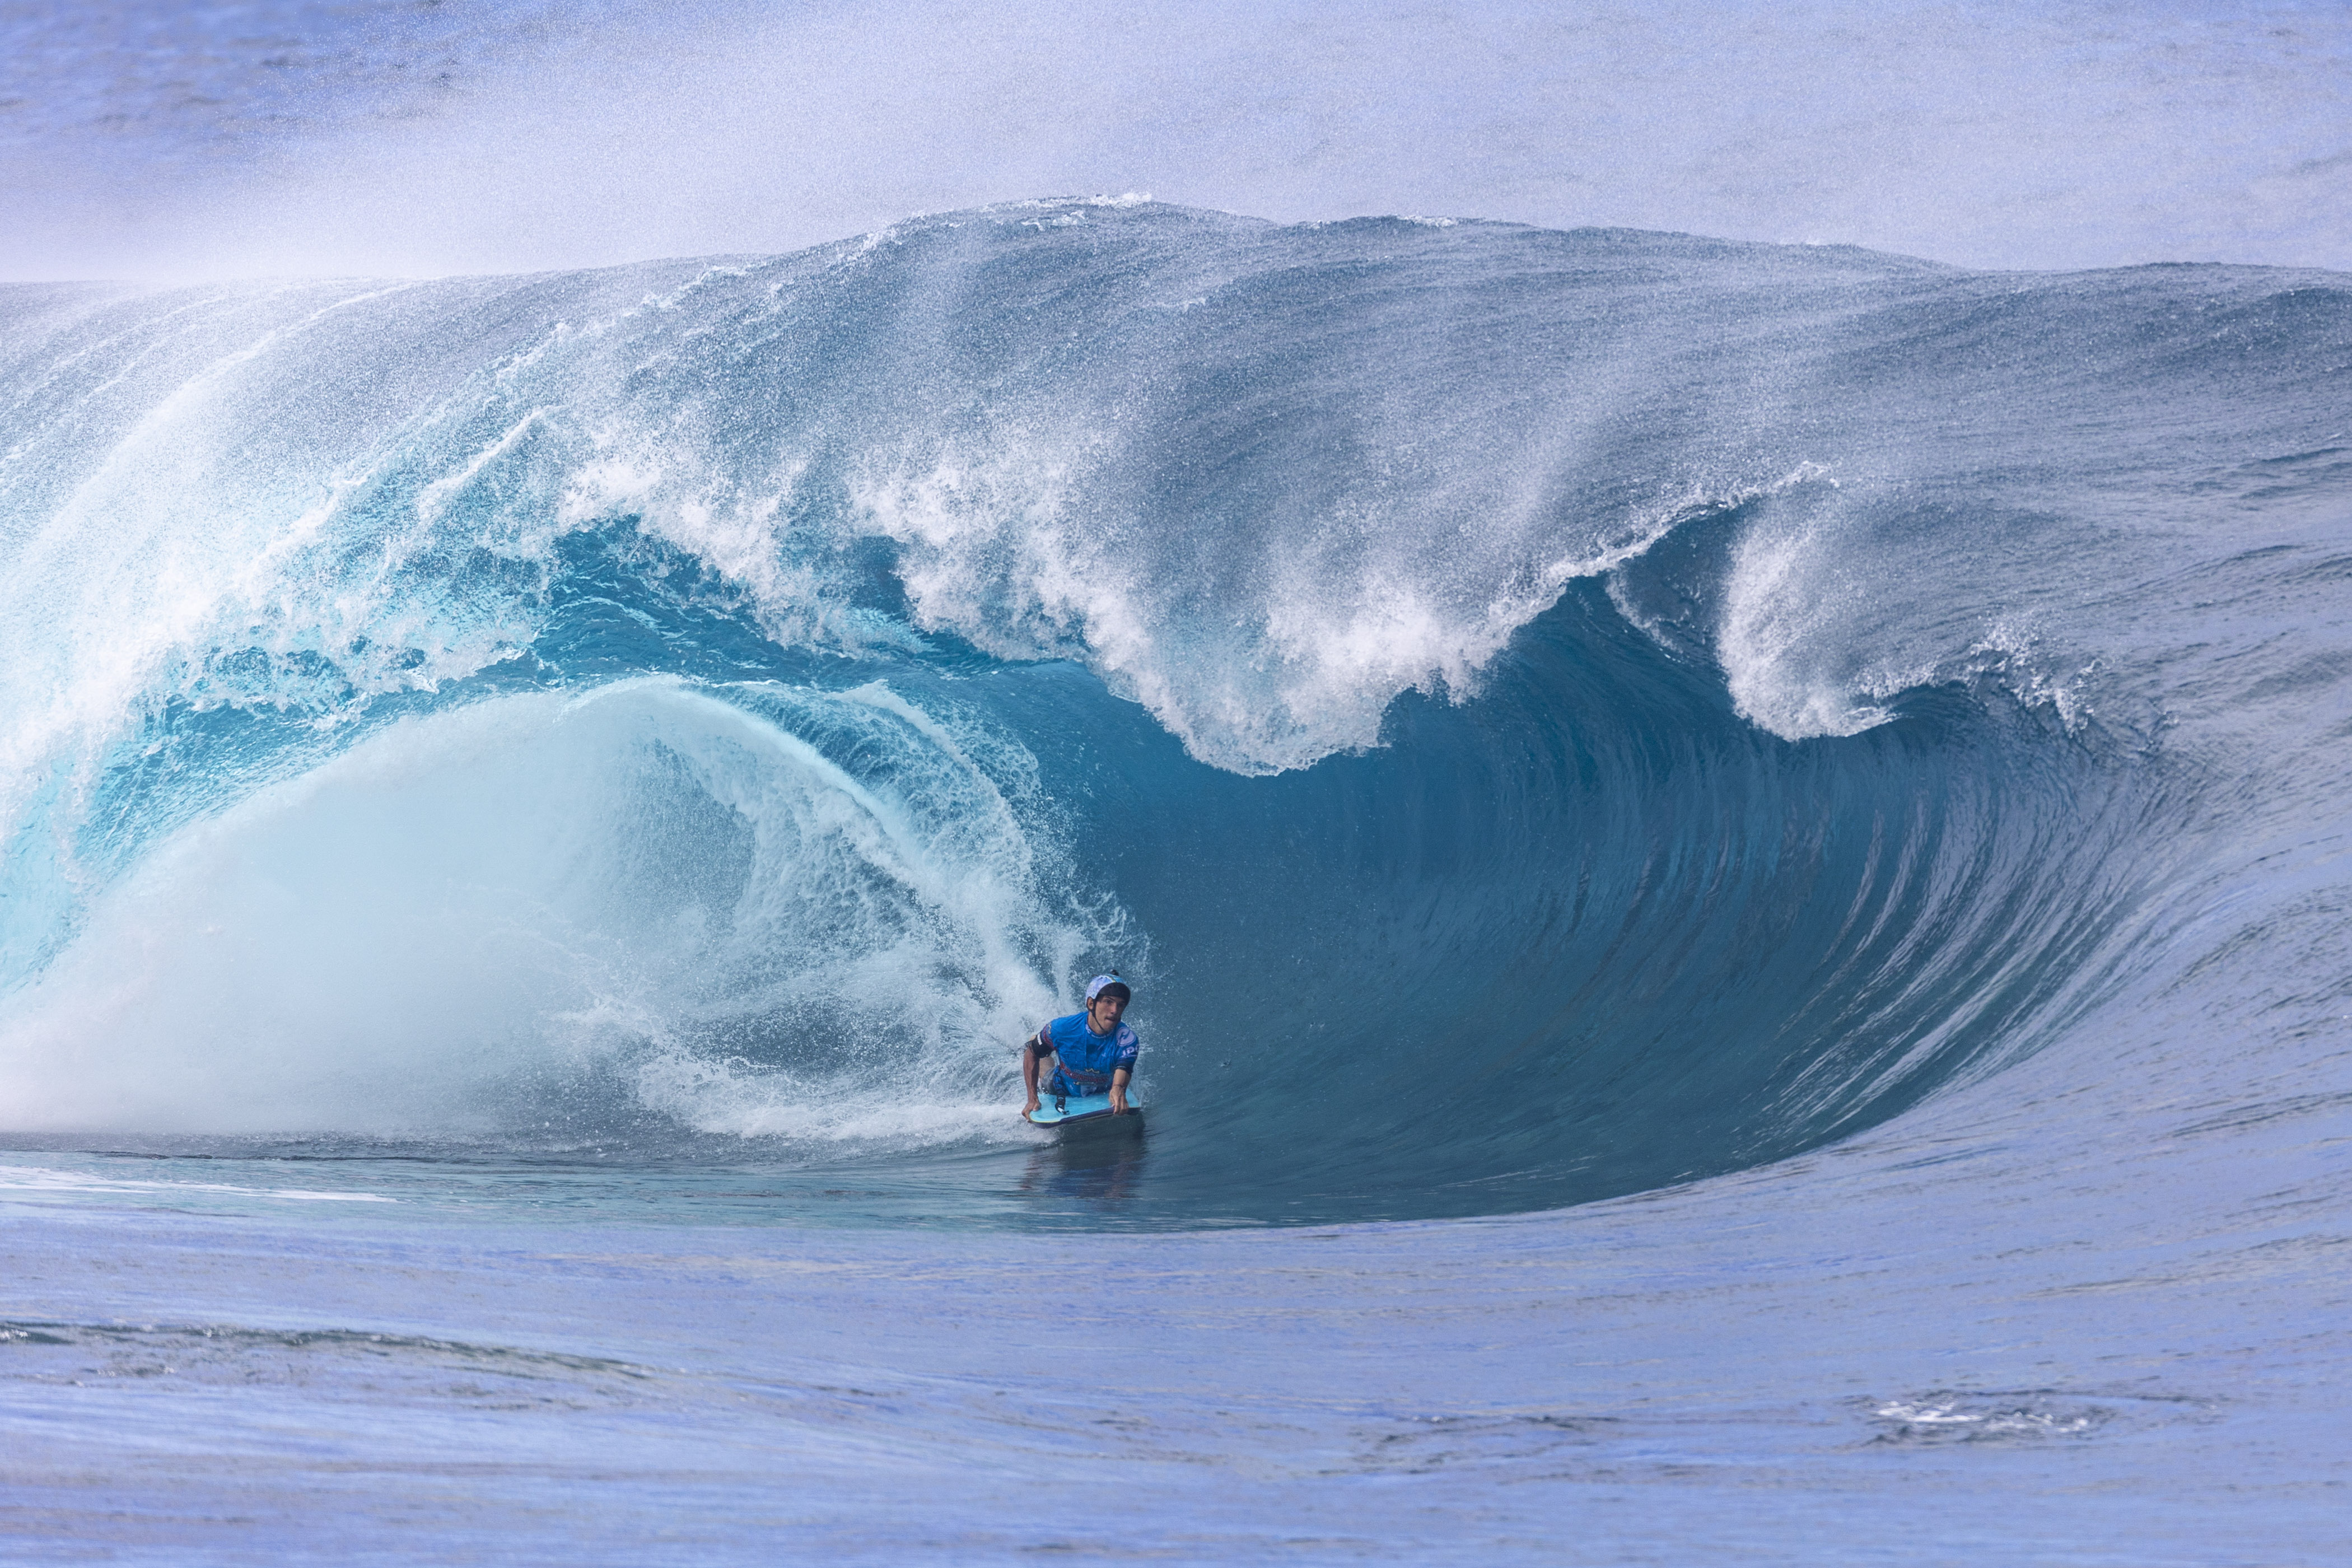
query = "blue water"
{"x": 1731, "y": 856}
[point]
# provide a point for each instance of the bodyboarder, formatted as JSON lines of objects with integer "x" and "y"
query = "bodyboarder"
{"x": 1091, "y": 1052}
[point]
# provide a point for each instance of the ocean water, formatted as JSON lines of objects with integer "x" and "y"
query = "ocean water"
{"x": 1733, "y": 859}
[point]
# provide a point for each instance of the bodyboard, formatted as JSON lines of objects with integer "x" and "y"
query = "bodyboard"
{"x": 1071, "y": 1110}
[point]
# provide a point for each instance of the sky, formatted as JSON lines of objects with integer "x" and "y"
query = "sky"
{"x": 164, "y": 142}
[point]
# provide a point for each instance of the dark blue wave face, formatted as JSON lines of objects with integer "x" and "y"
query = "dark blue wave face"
{"x": 1538, "y": 717}
{"x": 1591, "y": 933}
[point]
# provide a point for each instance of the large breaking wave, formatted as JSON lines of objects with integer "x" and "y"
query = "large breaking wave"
{"x": 1541, "y": 715}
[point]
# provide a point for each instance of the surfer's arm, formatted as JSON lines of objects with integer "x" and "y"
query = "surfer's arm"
{"x": 1118, "y": 1092}
{"x": 1035, "y": 1053}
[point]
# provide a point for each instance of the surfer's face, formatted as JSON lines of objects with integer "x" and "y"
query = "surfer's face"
{"x": 1103, "y": 1013}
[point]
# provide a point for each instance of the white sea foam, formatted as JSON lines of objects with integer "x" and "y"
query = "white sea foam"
{"x": 1286, "y": 644}
{"x": 48, "y": 1179}
{"x": 465, "y": 913}
{"x": 1823, "y": 623}
{"x": 1783, "y": 676}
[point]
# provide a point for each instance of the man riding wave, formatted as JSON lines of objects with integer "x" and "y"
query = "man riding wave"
{"x": 1092, "y": 1052}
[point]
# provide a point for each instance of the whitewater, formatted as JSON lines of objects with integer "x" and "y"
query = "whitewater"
{"x": 1733, "y": 859}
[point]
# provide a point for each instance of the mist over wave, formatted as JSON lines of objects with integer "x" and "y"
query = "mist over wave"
{"x": 1541, "y": 715}
{"x": 151, "y": 139}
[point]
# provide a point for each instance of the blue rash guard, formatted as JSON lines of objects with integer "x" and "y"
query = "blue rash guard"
{"x": 1084, "y": 1059}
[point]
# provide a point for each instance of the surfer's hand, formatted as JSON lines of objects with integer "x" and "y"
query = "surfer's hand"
{"x": 1117, "y": 1101}
{"x": 1031, "y": 1106}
